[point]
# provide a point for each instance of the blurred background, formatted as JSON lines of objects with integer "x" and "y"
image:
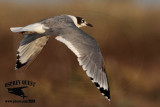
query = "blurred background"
{"x": 128, "y": 33}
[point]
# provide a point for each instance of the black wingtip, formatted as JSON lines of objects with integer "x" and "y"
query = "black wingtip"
{"x": 18, "y": 63}
{"x": 104, "y": 92}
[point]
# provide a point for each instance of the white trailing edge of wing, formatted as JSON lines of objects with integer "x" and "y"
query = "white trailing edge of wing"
{"x": 69, "y": 45}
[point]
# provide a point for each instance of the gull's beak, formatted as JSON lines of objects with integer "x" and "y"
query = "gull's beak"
{"x": 90, "y": 25}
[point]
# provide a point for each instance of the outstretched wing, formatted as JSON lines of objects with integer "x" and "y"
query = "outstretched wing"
{"x": 29, "y": 48}
{"x": 32, "y": 43}
{"x": 89, "y": 56}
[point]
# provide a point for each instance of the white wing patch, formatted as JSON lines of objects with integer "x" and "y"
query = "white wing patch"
{"x": 69, "y": 45}
{"x": 36, "y": 27}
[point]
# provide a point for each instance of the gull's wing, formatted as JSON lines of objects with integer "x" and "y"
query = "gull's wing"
{"x": 29, "y": 48}
{"x": 89, "y": 56}
{"x": 32, "y": 43}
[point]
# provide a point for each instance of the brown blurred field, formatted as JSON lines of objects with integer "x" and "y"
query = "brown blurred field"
{"x": 128, "y": 35}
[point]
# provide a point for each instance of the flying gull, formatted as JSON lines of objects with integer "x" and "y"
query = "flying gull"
{"x": 65, "y": 28}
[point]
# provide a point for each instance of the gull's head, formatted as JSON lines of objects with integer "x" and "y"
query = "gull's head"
{"x": 79, "y": 22}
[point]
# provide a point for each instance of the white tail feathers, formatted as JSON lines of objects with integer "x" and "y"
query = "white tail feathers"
{"x": 36, "y": 27}
{"x": 16, "y": 29}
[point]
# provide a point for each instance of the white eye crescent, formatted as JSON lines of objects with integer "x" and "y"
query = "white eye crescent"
{"x": 82, "y": 20}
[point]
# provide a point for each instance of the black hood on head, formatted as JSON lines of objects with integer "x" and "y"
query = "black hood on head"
{"x": 79, "y": 20}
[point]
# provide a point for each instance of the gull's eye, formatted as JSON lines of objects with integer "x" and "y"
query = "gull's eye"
{"x": 82, "y": 21}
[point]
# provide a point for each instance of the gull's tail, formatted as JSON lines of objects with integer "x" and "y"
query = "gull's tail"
{"x": 16, "y": 29}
